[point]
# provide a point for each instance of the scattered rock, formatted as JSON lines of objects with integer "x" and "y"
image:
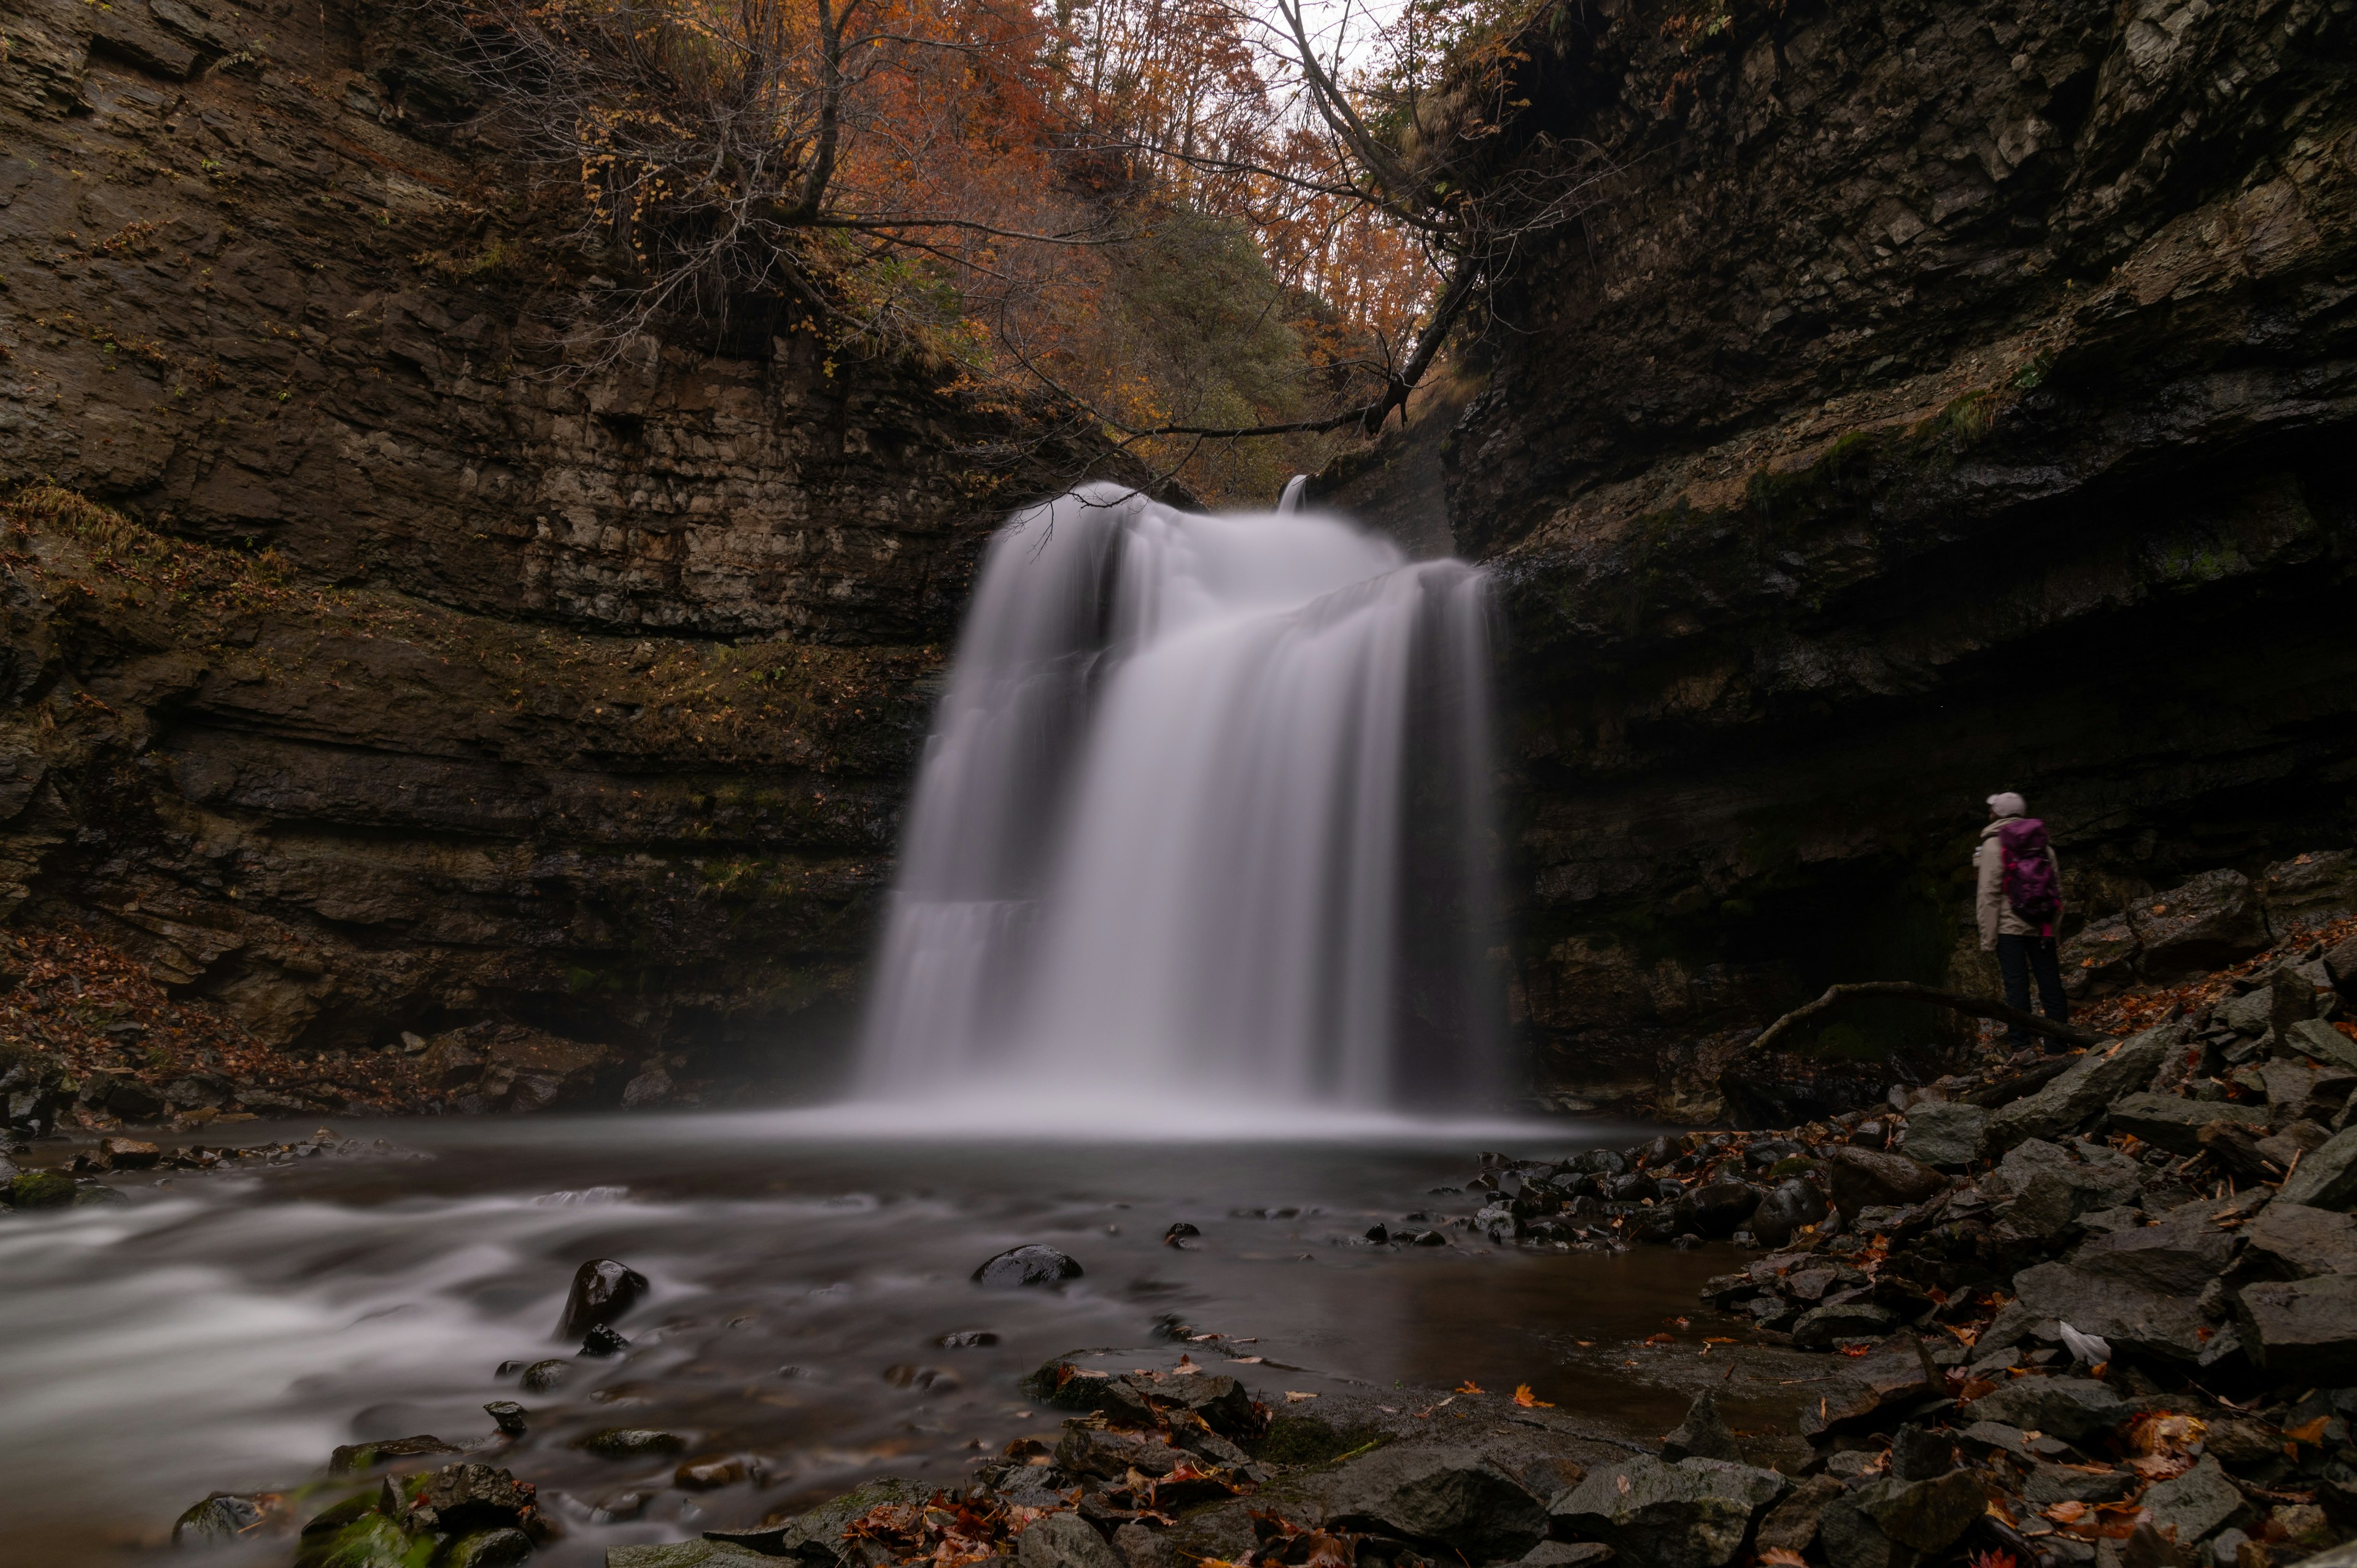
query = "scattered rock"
{"x": 2071, "y": 1408}
{"x": 1864, "y": 1177}
{"x": 1691, "y": 1514}
{"x": 1947, "y": 1134}
{"x": 707, "y": 1554}
{"x": 2303, "y": 1327}
{"x": 602, "y": 1341}
{"x": 2301, "y": 1242}
{"x": 1702, "y": 1435}
{"x": 2327, "y": 1176}
{"x": 1027, "y": 1265}
{"x": 1063, "y": 1540}
{"x": 2085, "y": 1090}
{"x": 1821, "y": 1327}
{"x": 1568, "y": 1554}
{"x": 967, "y": 1339}
{"x": 507, "y": 1415}
{"x": 603, "y": 1290}
{"x": 2176, "y": 1124}
{"x": 466, "y": 1497}
{"x": 2197, "y": 1504}
{"x": 1791, "y": 1525}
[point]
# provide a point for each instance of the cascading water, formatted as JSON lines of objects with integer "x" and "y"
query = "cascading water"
{"x": 1204, "y": 813}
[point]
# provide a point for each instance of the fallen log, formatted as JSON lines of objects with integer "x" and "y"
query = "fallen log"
{"x": 1907, "y": 990}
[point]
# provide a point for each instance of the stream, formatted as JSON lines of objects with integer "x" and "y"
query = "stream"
{"x": 226, "y": 1332}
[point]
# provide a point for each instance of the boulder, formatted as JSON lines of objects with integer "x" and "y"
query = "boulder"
{"x": 2212, "y": 921}
{"x": 1703, "y": 1435}
{"x": 2247, "y": 1013}
{"x": 1691, "y": 1514}
{"x": 542, "y": 1376}
{"x": 1451, "y": 1497}
{"x": 1861, "y": 1178}
{"x": 2048, "y": 1185}
{"x": 1027, "y": 1265}
{"x": 2070, "y": 1408}
{"x": 1063, "y": 1540}
{"x": 2306, "y": 1329}
{"x": 2197, "y": 1504}
{"x": 1790, "y": 1204}
{"x": 1721, "y": 1207}
{"x": 2176, "y": 1124}
{"x": 1947, "y": 1134}
{"x": 603, "y": 1290}
{"x": 2327, "y": 1176}
{"x": 2300, "y": 1241}
{"x": 2085, "y": 1089}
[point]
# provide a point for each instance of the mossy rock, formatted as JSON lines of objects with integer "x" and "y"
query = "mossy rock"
{"x": 371, "y": 1540}
{"x": 41, "y": 1189}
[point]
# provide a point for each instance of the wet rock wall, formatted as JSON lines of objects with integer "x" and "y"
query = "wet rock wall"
{"x": 1936, "y": 399}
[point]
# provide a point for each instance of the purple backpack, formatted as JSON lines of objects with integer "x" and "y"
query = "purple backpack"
{"x": 2029, "y": 883}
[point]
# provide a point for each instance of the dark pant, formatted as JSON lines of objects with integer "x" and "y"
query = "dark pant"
{"x": 2020, "y": 957}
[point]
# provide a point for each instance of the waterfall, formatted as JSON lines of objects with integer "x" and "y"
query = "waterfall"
{"x": 1204, "y": 813}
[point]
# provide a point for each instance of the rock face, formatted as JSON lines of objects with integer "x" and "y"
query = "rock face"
{"x": 432, "y": 677}
{"x": 1933, "y": 399}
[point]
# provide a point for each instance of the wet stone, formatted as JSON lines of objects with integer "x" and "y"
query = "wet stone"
{"x": 603, "y": 1341}
{"x": 352, "y": 1456}
{"x": 2070, "y": 1408}
{"x": 2195, "y": 1504}
{"x": 967, "y": 1339}
{"x": 709, "y": 1473}
{"x": 542, "y": 1376}
{"x": 602, "y": 1291}
{"x": 485, "y": 1548}
{"x": 1947, "y": 1134}
{"x": 1027, "y": 1265}
{"x": 507, "y": 1415}
{"x": 1567, "y": 1554}
{"x": 631, "y": 1442}
{"x": 222, "y": 1518}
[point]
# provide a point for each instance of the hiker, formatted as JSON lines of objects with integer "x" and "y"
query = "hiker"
{"x": 2020, "y": 906}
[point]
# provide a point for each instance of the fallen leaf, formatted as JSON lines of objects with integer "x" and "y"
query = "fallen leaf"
{"x": 1856, "y": 1350}
{"x": 1529, "y": 1400}
{"x": 1469, "y": 1386}
{"x": 1246, "y": 1361}
{"x": 1708, "y": 1339}
{"x": 1294, "y": 1396}
{"x": 1782, "y": 1557}
{"x": 2312, "y": 1434}
{"x": 1623, "y": 1482}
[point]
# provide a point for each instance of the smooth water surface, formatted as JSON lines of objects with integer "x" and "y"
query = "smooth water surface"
{"x": 226, "y": 1332}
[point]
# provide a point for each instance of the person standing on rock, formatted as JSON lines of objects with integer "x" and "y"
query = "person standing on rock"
{"x": 2019, "y": 903}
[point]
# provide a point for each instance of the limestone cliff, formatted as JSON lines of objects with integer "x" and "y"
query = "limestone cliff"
{"x": 1939, "y": 399}
{"x": 431, "y": 672}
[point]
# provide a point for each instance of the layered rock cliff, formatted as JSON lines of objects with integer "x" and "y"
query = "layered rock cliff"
{"x": 1936, "y": 399}
{"x": 414, "y": 669}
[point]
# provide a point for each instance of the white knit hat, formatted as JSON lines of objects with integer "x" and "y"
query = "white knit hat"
{"x": 2008, "y": 804}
